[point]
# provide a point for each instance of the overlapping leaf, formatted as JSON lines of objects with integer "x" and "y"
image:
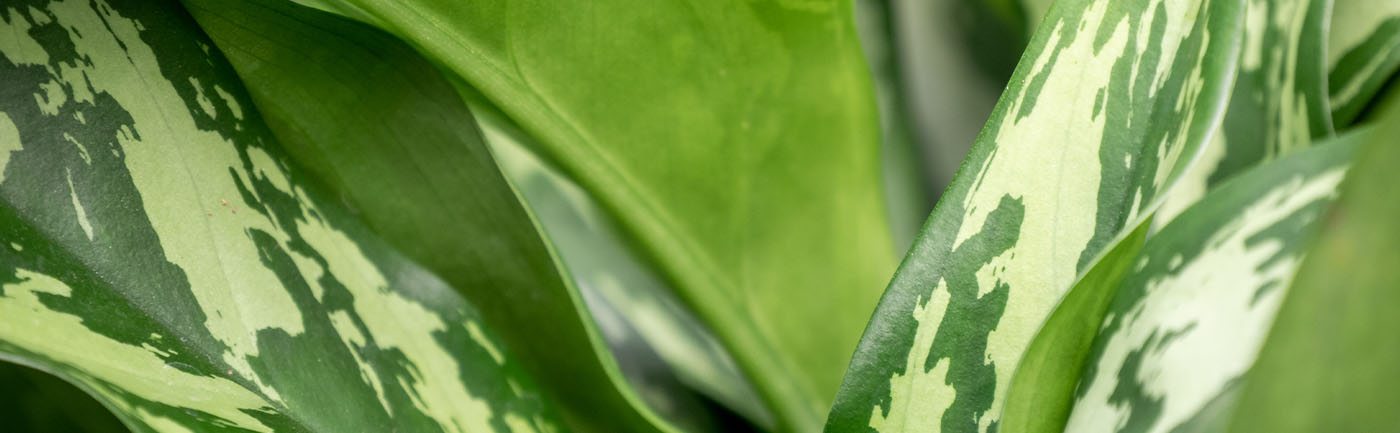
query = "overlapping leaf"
{"x": 390, "y": 135}
{"x": 1279, "y": 103}
{"x": 636, "y": 311}
{"x": 1109, "y": 105}
{"x": 1329, "y": 361}
{"x": 161, "y": 251}
{"x": 1188, "y": 320}
{"x": 1042, "y": 389}
{"x": 736, "y": 141}
{"x": 1363, "y": 54}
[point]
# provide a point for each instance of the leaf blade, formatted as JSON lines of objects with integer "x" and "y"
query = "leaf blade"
{"x": 128, "y": 268}
{"x": 1362, "y": 54}
{"x": 1187, "y": 322}
{"x": 1279, "y": 103}
{"x": 1327, "y": 361}
{"x": 776, "y": 96}
{"x": 992, "y": 203}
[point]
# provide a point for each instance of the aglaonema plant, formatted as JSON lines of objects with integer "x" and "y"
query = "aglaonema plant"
{"x": 488, "y": 216}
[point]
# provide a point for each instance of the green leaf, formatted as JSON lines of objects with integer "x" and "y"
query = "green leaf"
{"x": 1109, "y": 105}
{"x": 1363, "y": 54}
{"x": 736, "y": 141}
{"x": 160, "y": 250}
{"x": 388, "y": 133}
{"x": 1279, "y": 103}
{"x": 1329, "y": 361}
{"x": 1041, "y": 390}
{"x": 1188, "y": 321}
{"x": 636, "y": 310}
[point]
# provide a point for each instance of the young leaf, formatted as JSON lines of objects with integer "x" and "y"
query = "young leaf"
{"x": 1363, "y": 53}
{"x": 388, "y": 133}
{"x": 1188, "y": 320}
{"x": 1279, "y": 103}
{"x": 1329, "y": 361}
{"x": 736, "y": 141}
{"x": 1110, "y": 104}
{"x": 1042, "y": 388}
{"x": 159, "y": 249}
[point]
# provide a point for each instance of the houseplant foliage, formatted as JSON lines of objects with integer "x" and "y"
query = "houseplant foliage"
{"x": 367, "y": 215}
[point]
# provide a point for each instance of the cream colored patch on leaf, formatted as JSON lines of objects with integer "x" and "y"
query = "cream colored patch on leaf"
{"x": 78, "y": 206}
{"x": 918, "y": 398}
{"x": 1212, "y": 298}
{"x": 182, "y": 174}
{"x": 474, "y": 330}
{"x": 1050, "y": 161}
{"x": 1355, "y": 21}
{"x": 9, "y": 139}
{"x": 1193, "y": 183}
{"x": 64, "y": 339}
{"x": 399, "y": 323}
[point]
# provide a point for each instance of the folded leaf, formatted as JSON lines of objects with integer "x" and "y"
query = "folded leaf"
{"x": 1279, "y": 103}
{"x": 160, "y": 250}
{"x": 1188, "y": 320}
{"x": 636, "y": 311}
{"x": 1109, "y": 105}
{"x": 736, "y": 141}
{"x": 1329, "y": 361}
{"x": 1363, "y": 54}
{"x": 1042, "y": 390}
{"x": 388, "y": 133}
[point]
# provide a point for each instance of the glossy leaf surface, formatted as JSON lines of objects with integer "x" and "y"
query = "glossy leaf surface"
{"x": 736, "y": 141}
{"x": 162, "y": 251}
{"x": 637, "y": 312}
{"x": 1188, "y": 320}
{"x": 1109, "y": 105}
{"x": 1279, "y": 103}
{"x": 1042, "y": 390}
{"x": 389, "y": 133}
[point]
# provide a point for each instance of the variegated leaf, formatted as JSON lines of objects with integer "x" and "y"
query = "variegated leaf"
{"x": 1279, "y": 103}
{"x": 1109, "y": 105}
{"x": 1363, "y": 54}
{"x": 160, "y": 250}
{"x": 735, "y": 141}
{"x": 429, "y": 185}
{"x": 1188, "y": 321}
{"x": 1329, "y": 361}
{"x": 1042, "y": 390}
